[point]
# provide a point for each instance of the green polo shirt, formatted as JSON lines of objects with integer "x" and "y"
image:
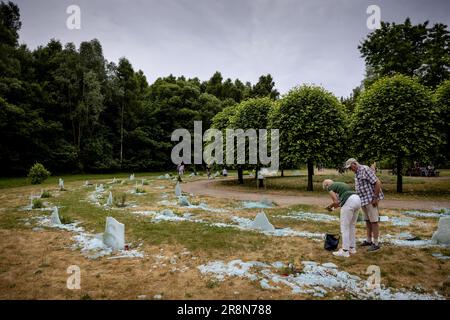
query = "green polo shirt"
{"x": 343, "y": 190}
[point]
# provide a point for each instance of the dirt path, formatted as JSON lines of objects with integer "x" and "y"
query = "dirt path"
{"x": 282, "y": 198}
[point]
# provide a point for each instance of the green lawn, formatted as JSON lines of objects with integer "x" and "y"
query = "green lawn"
{"x": 294, "y": 180}
{"x": 11, "y": 182}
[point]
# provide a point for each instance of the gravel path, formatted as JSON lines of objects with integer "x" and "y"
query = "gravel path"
{"x": 213, "y": 189}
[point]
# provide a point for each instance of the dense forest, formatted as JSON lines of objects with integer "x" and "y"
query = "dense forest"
{"x": 72, "y": 110}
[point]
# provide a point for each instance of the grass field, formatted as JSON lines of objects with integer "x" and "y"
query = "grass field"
{"x": 413, "y": 187}
{"x": 33, "y": 262}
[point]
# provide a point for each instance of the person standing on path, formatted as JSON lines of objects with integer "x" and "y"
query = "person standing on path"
{"x": 368, "y": 187}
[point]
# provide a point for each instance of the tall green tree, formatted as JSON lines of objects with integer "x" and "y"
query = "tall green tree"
{"x": 395, "y": 119}
{"x": 413, "y": 50}
{"x": 214, "y": 85}
{"x": 222, "y": 121}
{"x": 312, "y": 128}
{"x": 70, "y": 109}
{"x": 265, "y": 87}
{"x": 349, "y": 103}
{"x": 127, "y": 84}
{"x": 9, "y": 34}
{"x": 251, "y": 114}
{"x": 442, "y": 101}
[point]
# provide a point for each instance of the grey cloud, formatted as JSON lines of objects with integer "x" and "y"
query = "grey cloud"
{"x": 308, "y": 41}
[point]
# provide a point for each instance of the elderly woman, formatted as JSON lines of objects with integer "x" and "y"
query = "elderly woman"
{"x": 343, "y": 196}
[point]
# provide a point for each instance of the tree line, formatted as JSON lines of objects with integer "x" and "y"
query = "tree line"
{"x": 72, "y": 110}
{"x": 399, "y": 113}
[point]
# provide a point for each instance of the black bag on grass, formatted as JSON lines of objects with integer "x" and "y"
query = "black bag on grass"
{"x": 331, "y": 242}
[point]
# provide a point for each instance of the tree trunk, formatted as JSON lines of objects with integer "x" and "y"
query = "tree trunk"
{"x": 399, "y": 174}
{"x": 282, "y": 172}
{"x": 240, "y": 175}
{"x": 71, "y": 116}
{"x": 310, "y": 165}
{"x": 261, "y": 183}
{"x": 79, "y": 137}
{"x": 121, "y": 135}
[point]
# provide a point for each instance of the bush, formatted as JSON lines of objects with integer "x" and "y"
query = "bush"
{"x": 46, "y": 194}
{"x": 65, "y": 219}
{"x": 122, "y": 199}
{"x": 140, "y": 190}
{"x": 38, "y": 173}
{"x": 37, "y": 204}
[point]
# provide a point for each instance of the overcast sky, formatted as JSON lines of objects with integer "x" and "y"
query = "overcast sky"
{"x": 297, "y": 41}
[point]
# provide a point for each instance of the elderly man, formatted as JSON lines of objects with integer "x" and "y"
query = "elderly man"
{"x": 368, "y": 187}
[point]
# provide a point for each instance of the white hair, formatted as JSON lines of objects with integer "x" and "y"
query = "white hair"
{"x": 326, "y": 183}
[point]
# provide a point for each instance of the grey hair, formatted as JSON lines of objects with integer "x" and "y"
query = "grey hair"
{"x": 326, "y": 183}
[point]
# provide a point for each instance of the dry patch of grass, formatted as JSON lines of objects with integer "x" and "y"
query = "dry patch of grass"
{"x": 33, "y": 264}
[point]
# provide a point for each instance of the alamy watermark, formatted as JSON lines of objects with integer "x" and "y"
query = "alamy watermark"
{"x": 74, "y": 280}
{"x": 73, "y": 21}
{"x": 213, "y": 153}
{"x": 373, "y": 282}
{"x": 374, "y": 20}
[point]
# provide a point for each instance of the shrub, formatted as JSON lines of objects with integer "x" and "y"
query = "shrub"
{"x": 139, "y": 190}
{"x": 65, "y": 219}
{"x": 121, "y": 202}
{"x": 38, "y": 173}
{"x": 212, "y": 284}
{"x": 85, "y": 297}
{"x": 37, "y": 204}
{"x": 46, "y": 194}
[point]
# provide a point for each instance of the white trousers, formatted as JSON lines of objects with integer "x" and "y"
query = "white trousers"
{"x": 349, "y": 216}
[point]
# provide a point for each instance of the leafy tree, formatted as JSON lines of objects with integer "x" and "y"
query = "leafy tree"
{"x": 312, "y": 128}
{"x": 208, "y": 106}
{"x": 126, "y": 83}
{"x": 395, "y": 119}
{"x": 435, "y": 67}
{"x": 90, "y": 107}
{"x": 70, "y": 109}
{"x": 349, "y": 103}
{"x": 214, "y": 85}
{"x": 265, "y": 87}
{"x": 413, "y": 50}
{"x": 9, "y": 34}
{"x": 442, "y": 101}
{"x": 251, "y": 114}
{"x": 10, "y": 23}
{"x": 222, "y": 121}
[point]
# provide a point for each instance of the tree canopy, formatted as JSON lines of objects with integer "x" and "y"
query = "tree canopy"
{"x": 312, "y": 128}
{"x": 72, "y": 110}
{"x": 402, "y": 119}
{"x": 442, "y": 101}
{"x": 412, "y": 50}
